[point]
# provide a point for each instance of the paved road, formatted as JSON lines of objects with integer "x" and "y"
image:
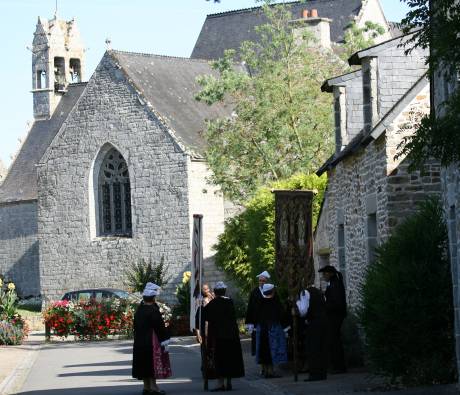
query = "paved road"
{"x": 105, "y": 368}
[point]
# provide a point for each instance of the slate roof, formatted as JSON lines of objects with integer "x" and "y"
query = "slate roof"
{"x": 395, "y": 29}
{"x": 364, "y": 137}
{"x": 20, "y": 183}
{"x": 169, "y": 85}
{"x": 228, "y": 30}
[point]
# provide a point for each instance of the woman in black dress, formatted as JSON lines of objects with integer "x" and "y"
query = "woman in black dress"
{"x": 223, "y": 339}
{"x": 149, "y": 333}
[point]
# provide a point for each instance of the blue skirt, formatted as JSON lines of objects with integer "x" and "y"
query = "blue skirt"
{"x": 274, "y": 335}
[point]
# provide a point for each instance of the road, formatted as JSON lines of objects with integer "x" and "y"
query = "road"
{"x": 68, "y": 368}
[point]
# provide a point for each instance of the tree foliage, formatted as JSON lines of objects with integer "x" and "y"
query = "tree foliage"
{"x": 436, "y": 25}
{"x": 282, "y": 123}
{"x": 357, "y": 38}
{"x": 246, "y": 247}
{"x": 407, "y": 312}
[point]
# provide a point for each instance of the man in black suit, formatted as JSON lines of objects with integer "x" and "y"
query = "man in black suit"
{"x": 336, "y": 308}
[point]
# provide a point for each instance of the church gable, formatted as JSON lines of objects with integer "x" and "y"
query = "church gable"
{"x": 111, "y": 117}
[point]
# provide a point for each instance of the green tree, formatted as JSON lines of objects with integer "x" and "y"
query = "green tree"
{"x": 435, "y": 25}
{"x": 407, "y": 312}
{"x": 357, "y": 38}
{"x": 282, "y": 123}
{"x": 246, "y": 247}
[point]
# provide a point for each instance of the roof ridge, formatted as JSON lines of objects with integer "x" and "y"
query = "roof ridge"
{"x": 152, "y": 55}
{"x": 241, "y": 10}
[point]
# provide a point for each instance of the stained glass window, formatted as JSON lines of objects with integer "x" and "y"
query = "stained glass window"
{"x": 114, "y": 196}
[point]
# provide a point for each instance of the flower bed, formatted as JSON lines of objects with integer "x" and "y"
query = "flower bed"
{"x": 13, "y": 328}
{"x": 91, "y": 320}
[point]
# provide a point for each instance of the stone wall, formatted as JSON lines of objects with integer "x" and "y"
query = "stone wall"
{"x": 19, "y": 246}
{"x": 368, "y": 185}
{"x": 450, "y": 180}
{"x": 71, "y": 256}
{"x": 206, "y": 199}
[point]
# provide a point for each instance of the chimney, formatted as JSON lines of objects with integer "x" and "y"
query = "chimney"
{"x": 319, "y": 27}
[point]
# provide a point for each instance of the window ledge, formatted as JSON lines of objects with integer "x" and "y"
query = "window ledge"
{"x": 111, "y": 239}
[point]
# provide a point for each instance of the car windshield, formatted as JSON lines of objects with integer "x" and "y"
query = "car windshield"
{"x": 122, "y": 294}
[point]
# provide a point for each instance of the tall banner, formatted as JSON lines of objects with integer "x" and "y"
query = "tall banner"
{"x": 197, "y": 268}
{"x": 294, "y": 249}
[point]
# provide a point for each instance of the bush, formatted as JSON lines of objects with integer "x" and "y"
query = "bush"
{"x": 13, "y": 328}
{"x": 140, "y": 273}
{"x": 183, "y": 296}
{"x": 407, "y": 312}
{"x": 10, "y": 334}
{"x": 247, "y": 245}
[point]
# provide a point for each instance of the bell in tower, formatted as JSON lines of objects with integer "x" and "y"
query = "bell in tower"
{"x": 57, "y": 61}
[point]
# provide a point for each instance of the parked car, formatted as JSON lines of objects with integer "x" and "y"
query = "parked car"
{"x": 98, "y": 294}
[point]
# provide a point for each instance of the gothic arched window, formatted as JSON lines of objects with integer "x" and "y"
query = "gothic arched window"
{"x": 114, "y": 196}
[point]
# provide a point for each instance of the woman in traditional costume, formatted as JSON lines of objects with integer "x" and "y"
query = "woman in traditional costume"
{"x": 150, "y": 353}
{"x": 271, "y": 328}
{"x": 223, "y": 339}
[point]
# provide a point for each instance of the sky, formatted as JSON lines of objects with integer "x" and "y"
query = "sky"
{"x": 165, "y": 27}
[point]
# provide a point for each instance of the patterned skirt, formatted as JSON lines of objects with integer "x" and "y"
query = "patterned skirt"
{"x": 271, "y": 345}
{"x": 161, "y": 363}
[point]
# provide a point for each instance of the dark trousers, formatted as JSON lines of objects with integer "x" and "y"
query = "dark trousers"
{"x": 316, "y": 348}
{"x": 336, "y": 354}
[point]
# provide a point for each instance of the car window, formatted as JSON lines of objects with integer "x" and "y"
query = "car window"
{"x": 84, "y": 296}
{"x": 71, "y": 296}
{"x": 99, "y": 295}
{"x": 121, "y": 294}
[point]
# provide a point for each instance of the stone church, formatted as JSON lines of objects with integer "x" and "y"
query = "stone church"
{"x": 112, "y": 169}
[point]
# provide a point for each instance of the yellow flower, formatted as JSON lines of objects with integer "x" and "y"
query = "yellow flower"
{"x": 186, "y": 277}
{"x": 11, "y": 287}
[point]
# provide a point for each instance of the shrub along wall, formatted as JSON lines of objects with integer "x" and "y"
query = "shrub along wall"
{"x": 407, "y": 311}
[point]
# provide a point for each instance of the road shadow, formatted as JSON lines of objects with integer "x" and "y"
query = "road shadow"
{"x": 119, "y": 389}
{"x": 98, "y": 373}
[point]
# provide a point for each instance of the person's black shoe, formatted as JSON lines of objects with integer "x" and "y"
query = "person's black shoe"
{"x": 316, "y": 378}
{"x": 218, "y": 389}
{"x": 273, "y": 376}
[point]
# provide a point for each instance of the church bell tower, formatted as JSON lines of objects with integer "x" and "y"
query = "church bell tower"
{"x": 58, "y": 59}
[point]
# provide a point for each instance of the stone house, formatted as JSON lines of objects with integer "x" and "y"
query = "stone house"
{"x": 112, "y": 169}
{"x": 369, "y": 191}
{"x": 444, "y": 85}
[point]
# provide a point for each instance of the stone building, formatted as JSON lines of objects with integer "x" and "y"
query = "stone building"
{"x": 445, "y": 84}
{"x": 112, "y": 169}
{"x": 369, "y": 191}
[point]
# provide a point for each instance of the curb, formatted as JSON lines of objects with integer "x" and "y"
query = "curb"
{"x": 14, "y": 381}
